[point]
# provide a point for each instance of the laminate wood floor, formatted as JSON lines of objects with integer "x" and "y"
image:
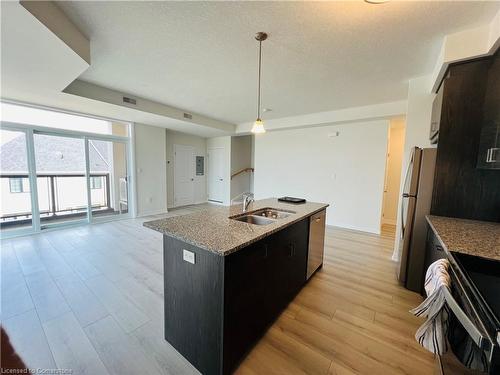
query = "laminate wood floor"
{"x": 90, "y": 299}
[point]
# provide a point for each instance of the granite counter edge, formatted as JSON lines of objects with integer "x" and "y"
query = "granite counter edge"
{"x": 240, "y": 246}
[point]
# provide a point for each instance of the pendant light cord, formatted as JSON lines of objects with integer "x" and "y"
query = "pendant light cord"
{"x": 260, "y": 64}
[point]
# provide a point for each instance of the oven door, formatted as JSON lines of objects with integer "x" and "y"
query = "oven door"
{"x": 469, "y": 344}
{"x": 449, "y": 364}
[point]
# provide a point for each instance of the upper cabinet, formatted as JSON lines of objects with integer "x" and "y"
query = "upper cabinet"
{"x": 436, "y": 115}
{"x": 464, "y": 187}
{"x": 489, "y": 144}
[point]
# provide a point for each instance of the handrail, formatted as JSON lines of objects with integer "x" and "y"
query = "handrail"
{"x": 242, "y": 171}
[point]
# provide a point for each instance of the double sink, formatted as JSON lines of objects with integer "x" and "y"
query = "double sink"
{"x": 263, "y": 216}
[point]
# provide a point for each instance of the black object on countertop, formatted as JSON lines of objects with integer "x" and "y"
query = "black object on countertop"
{"x": 292, "y": 200}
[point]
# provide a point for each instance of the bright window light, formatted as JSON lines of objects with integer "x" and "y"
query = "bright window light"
{"x": 52, "y": 119}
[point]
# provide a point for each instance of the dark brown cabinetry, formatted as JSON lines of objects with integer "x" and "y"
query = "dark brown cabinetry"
{"x": 489, "y": 143}
{"x": 217, "y": 308}
{"x": 436, "y": 116}
{"x": 461, "y": 189}
{"x": 433, "y": 252}
{"x": 259, "y": 283}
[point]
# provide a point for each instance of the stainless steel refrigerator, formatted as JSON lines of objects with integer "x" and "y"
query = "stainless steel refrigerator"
{"x": 416, "y": 203}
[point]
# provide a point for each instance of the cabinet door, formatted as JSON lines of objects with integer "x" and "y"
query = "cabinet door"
{"x": 259, "y": 283}
{"x": 245, "y": 299}
{"x": 489, "y": 143}
{"x": 288, "y": 263}
{"x": 436, "y": 115}
{"x": 433, "y": 252}
{"x": 296, "y": 257}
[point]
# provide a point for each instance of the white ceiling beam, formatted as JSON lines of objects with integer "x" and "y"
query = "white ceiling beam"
{"x": 368, "y": 112}
{"x": 48, "y": 13}
{"x": 91, "y": 91}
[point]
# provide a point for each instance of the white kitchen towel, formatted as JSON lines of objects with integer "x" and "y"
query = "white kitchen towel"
{"x": 432, "y": 334}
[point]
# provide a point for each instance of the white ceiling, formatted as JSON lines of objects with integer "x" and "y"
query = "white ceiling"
{"x": 201, "y": 56}
{"x": 36, "y": 65}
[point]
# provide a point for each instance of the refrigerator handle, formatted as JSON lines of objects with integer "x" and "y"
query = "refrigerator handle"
{"x": 402, "y": 219}
{"x": 406, "y": 195}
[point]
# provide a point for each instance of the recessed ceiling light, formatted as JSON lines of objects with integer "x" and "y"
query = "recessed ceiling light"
{"x": 267, "y": 110}
{"x": 376, "y": 1}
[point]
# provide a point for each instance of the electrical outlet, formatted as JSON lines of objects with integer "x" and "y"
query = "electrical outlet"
{"x": 188, "y": 256}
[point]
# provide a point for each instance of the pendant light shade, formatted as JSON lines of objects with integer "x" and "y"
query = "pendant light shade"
{"x": 258, "y": 125}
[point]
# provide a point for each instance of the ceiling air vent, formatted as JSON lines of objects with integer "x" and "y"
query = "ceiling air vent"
{"x": 129, "y": 100}
{"x": 189, "y": 116}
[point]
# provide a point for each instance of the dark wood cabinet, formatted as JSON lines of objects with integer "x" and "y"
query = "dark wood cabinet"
{"x": 436, "y": 116}
{"x": 461, "y": 189}
{"x": 489, "y": 143}
{"x": 219, "y": 307}
{"x": 433, "y": 252}
{"x": 260, "y": 282}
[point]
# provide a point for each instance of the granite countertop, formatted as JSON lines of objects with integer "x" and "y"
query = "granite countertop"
{"x": 472, "y": 237}
{"x": 213, "y": 230}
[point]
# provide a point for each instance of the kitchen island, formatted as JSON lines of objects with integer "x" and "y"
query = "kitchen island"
{"x": 228, "y": 275}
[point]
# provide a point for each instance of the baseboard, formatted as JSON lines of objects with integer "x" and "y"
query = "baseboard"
{"x": 152, "y": 213}
{"x": 216, "y": 202}
{"x": 187, "y": 205}
{"x": 357, "y": 229}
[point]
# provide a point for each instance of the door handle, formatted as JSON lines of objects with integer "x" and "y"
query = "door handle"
{"x": 291, "y": 250}
{"x": 192, "y": 179}
{"x": 220, "y": 179}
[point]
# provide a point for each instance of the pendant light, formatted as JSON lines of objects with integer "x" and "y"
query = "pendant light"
{"x": 258, "y": 125}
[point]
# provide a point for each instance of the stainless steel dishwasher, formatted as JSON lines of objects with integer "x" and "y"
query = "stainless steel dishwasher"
{"x": 316, "y": 242}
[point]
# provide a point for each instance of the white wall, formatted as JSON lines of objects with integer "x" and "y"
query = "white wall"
{"x": 345, "y": 171}
{"x": 393, "y": 171}
{"x": 151, "y": 171}
{"x": 200, "y": 149}
{"x": 465, "y": 45}
{"x": 351, "y": 114}
{"x": 224, "y": 143}
{"x": 241, "y": 157}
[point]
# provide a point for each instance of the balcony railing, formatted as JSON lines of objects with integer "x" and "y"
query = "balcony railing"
{"x": 60, "y": 197}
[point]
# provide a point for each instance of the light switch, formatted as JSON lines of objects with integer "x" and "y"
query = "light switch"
{"x": 188, "y": 256}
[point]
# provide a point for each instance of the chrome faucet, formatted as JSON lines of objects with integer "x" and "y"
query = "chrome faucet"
{"x": 246, "y": 202}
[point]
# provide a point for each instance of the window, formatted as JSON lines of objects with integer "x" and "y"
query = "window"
{"x": 60, "y": 120}
{"x": 19, "y": 185}
{"x": 96, "y": 182}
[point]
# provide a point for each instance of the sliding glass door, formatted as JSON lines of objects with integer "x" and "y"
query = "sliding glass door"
{"x": 15, "y": 194}
{"x": 54, "y": 177}
{"x": 61, "y": 179}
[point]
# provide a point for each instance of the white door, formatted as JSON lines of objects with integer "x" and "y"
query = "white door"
{"x": 216, "y": 174}
{"x": 184, "y": 165}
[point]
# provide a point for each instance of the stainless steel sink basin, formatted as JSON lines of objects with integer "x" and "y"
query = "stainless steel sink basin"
{"x": 272, "y": 213}
{"x": 252, "y": 219}
{"x": 263, "y": 216}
